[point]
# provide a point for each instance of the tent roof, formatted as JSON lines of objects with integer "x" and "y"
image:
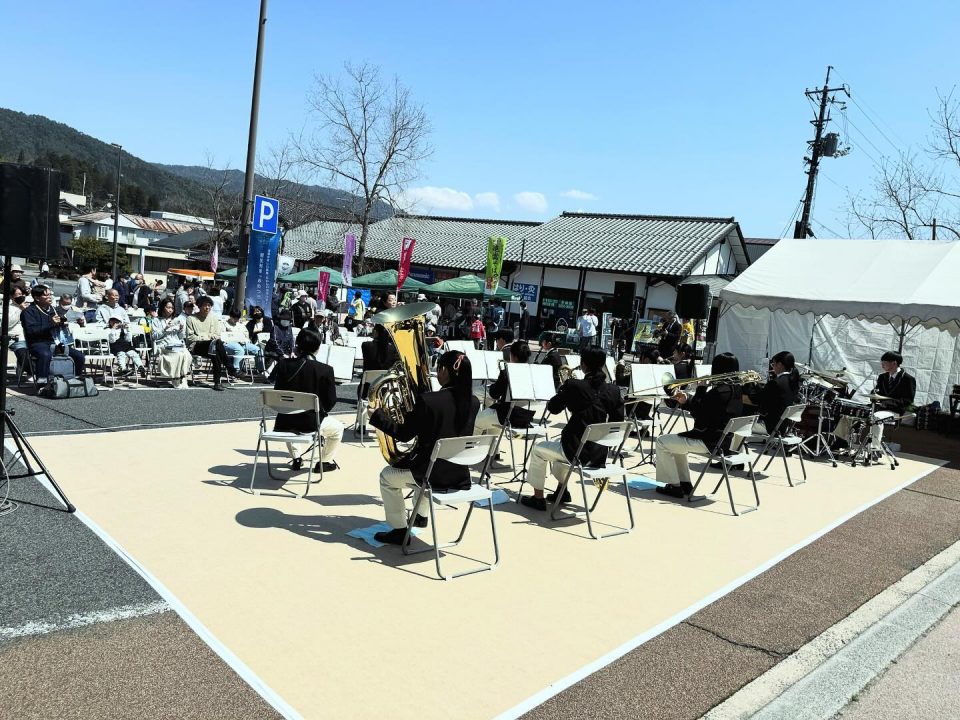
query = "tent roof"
{"x": 913, "y": 281}
{"x": 310, "y": 275}
{"x": 467, "y": 286}
{"x": 385, "y": 280}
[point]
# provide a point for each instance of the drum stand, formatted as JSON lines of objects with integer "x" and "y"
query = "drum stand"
{"x": 818, "y": 440}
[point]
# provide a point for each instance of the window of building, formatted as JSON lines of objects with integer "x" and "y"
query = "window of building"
{"x": 103, "y": 232}
{"x": 160, "y": 264}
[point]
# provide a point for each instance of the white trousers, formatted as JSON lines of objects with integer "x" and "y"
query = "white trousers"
{"x": 673, "y": 467}
{"x": 546, "y": 452}
{"x": 331, "y": 430}
{"x": 126, "y": 356}
{"x": 393, "y": 484}
{"x": 487, "y": 423}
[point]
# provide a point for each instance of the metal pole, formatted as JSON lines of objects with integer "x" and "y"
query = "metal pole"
{"x": 934, "y": 229}
{"x": 239, "y": 302}
{"x": 116, "y": 213}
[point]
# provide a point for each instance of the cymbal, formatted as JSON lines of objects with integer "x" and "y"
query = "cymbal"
{"x": 878, "y": 398}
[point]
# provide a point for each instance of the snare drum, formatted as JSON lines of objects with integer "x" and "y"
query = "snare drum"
{"x": 852, "y": 409}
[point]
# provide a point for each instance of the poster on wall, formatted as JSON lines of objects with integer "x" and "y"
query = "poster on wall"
{"x": 606, "y": 333}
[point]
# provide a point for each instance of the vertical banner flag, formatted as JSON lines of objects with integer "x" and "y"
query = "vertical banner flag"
{"x": 285, "y": 264}
{"x": 323, "y": 285}
{"x": 215, "y": 257}
{"x": 349, "y": 248}
{"x": 406, "y": 255}
{"x": 262, "y": 269}
{"x": 496, "y": 246}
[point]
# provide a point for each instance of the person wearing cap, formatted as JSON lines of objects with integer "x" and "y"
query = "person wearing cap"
{"x": 301, "y": 311}
{"x": 16, "y": 279}
{"x": 202, "y": 336}
{"x": 236, "y": 341}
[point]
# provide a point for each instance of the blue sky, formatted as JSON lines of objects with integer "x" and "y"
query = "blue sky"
{"x": 692, "y": 108}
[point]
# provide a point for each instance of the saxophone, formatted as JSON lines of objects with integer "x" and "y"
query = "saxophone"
{"x": 396, "y": 391}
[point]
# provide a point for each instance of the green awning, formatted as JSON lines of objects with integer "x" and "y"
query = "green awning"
{"x": 310, "y": 276}
{"x": 467, "y": 286}
{"x": 230, "y": 274}
{"x": 385, "y": 280}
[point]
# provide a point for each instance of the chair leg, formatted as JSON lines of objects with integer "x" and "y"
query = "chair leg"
{"x": 561, "y": 488}
{"x": 803, "y": 468}
{"x": 253, "y": 473}
{"x": 786, "y": 466}
{"x": 726, "y": 479}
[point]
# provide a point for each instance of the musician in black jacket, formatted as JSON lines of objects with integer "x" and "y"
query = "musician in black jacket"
{"x": 378, "y": 354}
{"x": 490, "y": 421}
{"x": 552, "y": 357}
{"x": 304, "y": 373}
{"x": 712, "y": 408}
{"x": 895, "y": 383}
{"x": 669, "y": 332}
{"x": 781, "y": 390}
{"x": 591, "y": 400}
{"x": 448, "y": 412}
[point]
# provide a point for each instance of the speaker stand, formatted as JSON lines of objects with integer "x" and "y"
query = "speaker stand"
{"x": 24, "y": 453}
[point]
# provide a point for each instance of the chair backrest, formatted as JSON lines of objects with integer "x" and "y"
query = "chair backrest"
{"x": 740, "y": 426}
{"x": 286, "y": 402}
{"x": 609, "y": 434}
{"x": 793, "y": 413}
{"x": 263, "y": 337}
{"x": 470, "y": 450}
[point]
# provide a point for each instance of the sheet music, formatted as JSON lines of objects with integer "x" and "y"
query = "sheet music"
{"x": 530, "y": 382}
{"x": 571, "y": 361}
{"x": 701, "y": 370}
{"x": 461, "y": 345}
{"x": 647, "y": 378}
{"x": 485, "y": 363}
{"x": 610, "y": 367}
{"x": 340, "y": 358}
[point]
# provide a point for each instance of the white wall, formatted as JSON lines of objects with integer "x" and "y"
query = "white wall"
{"x": 721, "y": 254}
{"x": 602, "y": 282}
{"x": 662, "y": 296}
{"x": 562, "y": 278}
{"x": 529, "y": 274}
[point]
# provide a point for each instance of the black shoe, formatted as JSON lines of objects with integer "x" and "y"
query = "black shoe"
{"x": 531, "y": 501}
{"x": 421, "y": 521}
{"x": 296, "y": 464}
{"x": 326, "y": 466}
{"x": 677, "y": 491}
{"x": 565, "y": 499}
{"x": 219, "y": 386}
{"x": 391, "y": 537}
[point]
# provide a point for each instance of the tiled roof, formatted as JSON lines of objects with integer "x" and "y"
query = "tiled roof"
{"x": 441, "y": 241}
{"x": 651, "y": 244}
{"x": 163, "y": 226}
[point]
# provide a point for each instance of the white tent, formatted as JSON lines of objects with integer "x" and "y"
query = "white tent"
{"x": 842, "y": 303}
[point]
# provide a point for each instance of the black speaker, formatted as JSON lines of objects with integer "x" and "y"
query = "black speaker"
{"x": 623, "y": 294}
{"x": 29, "y": 211}
{"x": 693, "y": 302}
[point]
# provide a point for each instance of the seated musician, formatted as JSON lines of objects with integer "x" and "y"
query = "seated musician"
{"x": 897, "y": 387}
{"x": 490, "y": 421}
{"x": 591, "y": 400}
{"x": 502, "y": 340}
{"x": 552, "y": 357}
{"x": 682, "y": 360}
{"x": 378, "y": 354}
{"x": 781, "y": 390}
{"x": 712, "y": 408}
{"x": 448, "y": 412}
{"x": 304, "y": 373}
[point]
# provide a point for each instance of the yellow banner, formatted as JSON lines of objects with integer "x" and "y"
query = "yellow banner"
{"x": 496, "y": 246}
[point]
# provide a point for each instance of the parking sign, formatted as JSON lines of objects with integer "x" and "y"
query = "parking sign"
{"x": 266, "y": 212}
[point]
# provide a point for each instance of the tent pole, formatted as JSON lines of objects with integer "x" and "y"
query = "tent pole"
{"x": 903, "y": 326}
{"x": 813, "y": 330}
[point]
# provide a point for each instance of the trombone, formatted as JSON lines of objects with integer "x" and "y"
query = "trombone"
{"x": 668, "y": 382}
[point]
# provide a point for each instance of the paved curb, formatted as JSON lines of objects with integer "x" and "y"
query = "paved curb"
{"x": 819, "y": 679}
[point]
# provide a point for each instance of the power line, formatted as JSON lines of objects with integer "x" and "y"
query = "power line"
{"x": 828, "y": 229}
{"x": 863, "y": 135}
{"x": 879, "y": 117}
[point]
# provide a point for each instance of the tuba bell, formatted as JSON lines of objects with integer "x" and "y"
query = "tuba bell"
{"x": 396, "y": 391}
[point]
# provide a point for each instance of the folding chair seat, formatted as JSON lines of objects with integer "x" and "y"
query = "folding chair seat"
{"x": 287, "y": 402}
{"x": 92, "y": 342}
{"x": 612, "y": 436}
{"x": 737, "y": 429}
{"x": 464, "y": 451}
{"x": 783, "y": 437}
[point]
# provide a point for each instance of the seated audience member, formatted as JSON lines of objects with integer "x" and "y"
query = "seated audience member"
{"x": 189, "y": 308}
{"x": 712, "y": 408}
{"x": 445, "y": 413}
{"x": 202, "y": 335}
{"x": 118, "y": 338}
{"x": 111, "y": 308}
{"x": 17, "y": 342}
{"x": 591, "y": 400}
{"x": 280, "y": 345}
{"x": 304, "y": 373}
{"x": 236, "y": 341}
{"x": 41, "y": 325}
{"x": 258, "y": 324}
{"x": 168, "y": 331}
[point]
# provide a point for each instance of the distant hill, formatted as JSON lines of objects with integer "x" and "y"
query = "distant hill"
{"x": 89, "y": 167}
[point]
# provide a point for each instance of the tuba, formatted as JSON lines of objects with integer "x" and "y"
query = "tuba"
{"x": 396, "y": 391}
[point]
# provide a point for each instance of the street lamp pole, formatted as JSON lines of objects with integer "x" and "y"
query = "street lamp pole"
{"x": 116, "y": 212}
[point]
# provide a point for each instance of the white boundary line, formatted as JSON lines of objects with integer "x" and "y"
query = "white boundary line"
{"x": 235, "y": 663}
{"x": 632, "y": 644}
{"x": 78, "y": 620}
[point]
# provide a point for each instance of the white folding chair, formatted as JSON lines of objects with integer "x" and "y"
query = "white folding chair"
{"x": 612, "y": 436}
{"x": 91, "y": 340}
{"x": 737, "y": 428}
{"x": 287, "y": 402}
{"x": 784, "y": 436}
{"x": 464, "y": 451}
{"x": 360, "y": 421}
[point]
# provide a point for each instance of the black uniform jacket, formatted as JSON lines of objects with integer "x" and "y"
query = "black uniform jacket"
{"x": 521, "y": 417}
{"x": 775, "y": 397}
{"x": 310, "y": 376}
{"x": 712, "y": 408}
{"x": 902, "y": 389}
{"x": 552, "y": 358}
{"x": 433, "y": 418}
{"x": 588, "y": 404}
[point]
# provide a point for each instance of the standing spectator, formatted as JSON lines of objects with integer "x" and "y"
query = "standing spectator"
{"x": 524, "y": 324}
{"x": 40, "y": 325}
{"x": 157, "y": 294}
{"x": 16, "y": 279}
{"x": 358, "y": 308}
{"x": 312, "y": 300}
{"x": 203, "y": 339}
{"x": 587, "y": 328}
{"x": 477, "y": 332}
{"x": 85, "y": 298}
{"x": 219, "y": 297}
{"x": 44, "y": 269}
{"x": 301, "y": 312}
{"x": 181, "y": 296}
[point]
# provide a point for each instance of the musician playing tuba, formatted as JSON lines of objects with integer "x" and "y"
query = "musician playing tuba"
{"x": 448, "y": 412}
{"x": 712, "y": 408}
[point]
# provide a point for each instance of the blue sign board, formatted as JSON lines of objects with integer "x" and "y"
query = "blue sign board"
{"x": 424, "y": 275}
{"x": 262, "y": 270}
{"x": 526, "y": 291}
{"x": 266, "y": 213}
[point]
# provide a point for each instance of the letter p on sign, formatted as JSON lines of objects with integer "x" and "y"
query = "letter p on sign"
{"x": 266, "y": 211}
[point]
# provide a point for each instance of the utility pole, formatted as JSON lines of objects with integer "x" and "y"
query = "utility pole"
{"x": 802, "y": 227}
{"x": 116, "y": 213}
{"x": 239, "y": 301}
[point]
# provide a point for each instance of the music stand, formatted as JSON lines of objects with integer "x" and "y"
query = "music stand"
{"x": 24, "y": 451}
{"x": 528, "y": 386}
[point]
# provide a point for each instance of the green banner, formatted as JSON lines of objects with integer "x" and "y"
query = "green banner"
{"x": 496, "y": 246}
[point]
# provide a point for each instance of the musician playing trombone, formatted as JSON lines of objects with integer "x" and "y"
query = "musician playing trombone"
{"x": 591, "y": 400}
{"x": 712, "y": 407}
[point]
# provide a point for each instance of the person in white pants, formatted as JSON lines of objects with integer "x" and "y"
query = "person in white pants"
{"x": 331, "y": 430}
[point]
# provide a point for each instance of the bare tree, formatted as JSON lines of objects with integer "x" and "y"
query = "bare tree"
{"x": 910, "y": 195}
{"x": 280, "y": 174}
{"x": 370, "y": 139}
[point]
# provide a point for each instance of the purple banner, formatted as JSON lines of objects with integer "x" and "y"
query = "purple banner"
{"x": 349, "y": 248}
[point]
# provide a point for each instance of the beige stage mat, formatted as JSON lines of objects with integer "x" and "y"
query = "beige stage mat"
{"x": 340, "y": 629}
